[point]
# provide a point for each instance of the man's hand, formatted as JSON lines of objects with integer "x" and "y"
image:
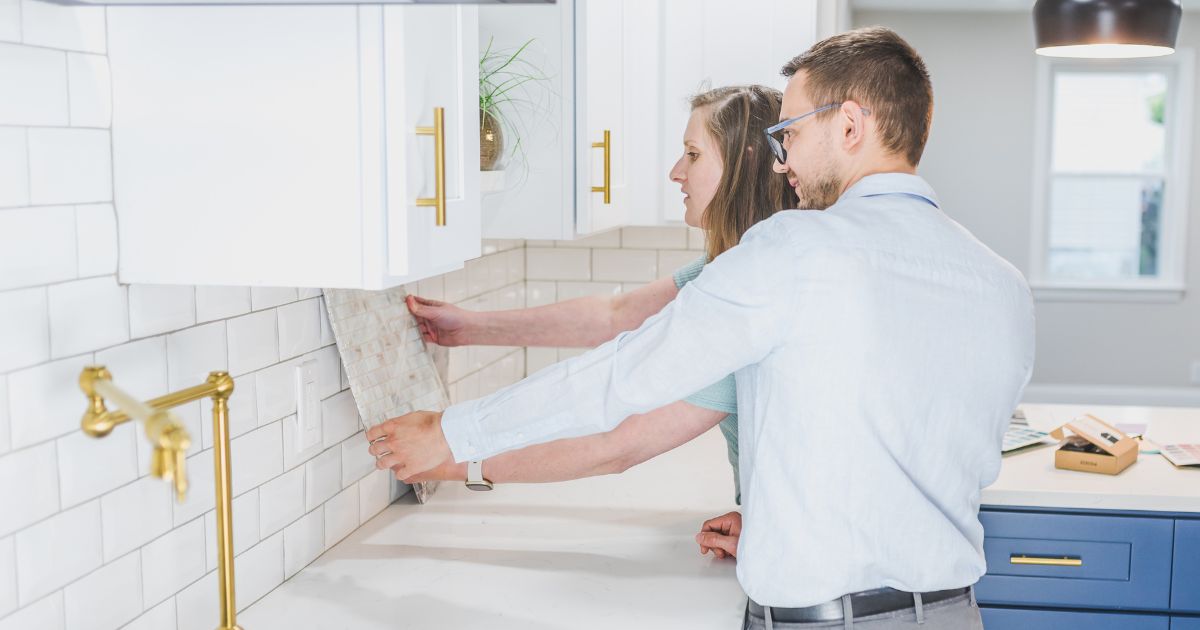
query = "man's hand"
{"x": 720, "y": 535}
{"x": 440, "y": 323}
{"x": 410, "y": 444}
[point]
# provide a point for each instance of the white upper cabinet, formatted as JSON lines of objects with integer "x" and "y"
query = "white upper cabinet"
{"x": 294, "y": 145}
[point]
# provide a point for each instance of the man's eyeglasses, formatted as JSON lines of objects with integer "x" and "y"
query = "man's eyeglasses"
{"x": 776, "y": 144}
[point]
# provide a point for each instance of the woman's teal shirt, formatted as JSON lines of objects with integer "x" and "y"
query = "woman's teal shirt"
{"x": 720, "y": 396}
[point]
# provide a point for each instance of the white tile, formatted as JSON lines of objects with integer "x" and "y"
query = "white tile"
{"x": 305, "y": 293}
{"x": 24, "y": 328}
{"x": 515, "y": 265}
{"x": 36, "y": 497}
{"x": 91, "y": 90}
{"x": 573, "y": 290}
{"x": 322, "y": 477}
{"x": 107, "y": 598}
{"x": 329, "y": 377}
{"x": 88, "y": 467}
{"x": 538, "y": 358}
{"x": 139, "y": 367}
{"x": 341, "y": 516}
{"x": 299, "y": 328}
{"x": 5, "y": 434}
{"x": 257, "y": 457}
{"x": 663, "y": 237}
{"x": 135, "y": 514}
{"x": 624, "y": 265}
{"x": 431, "y": 288}
{"x": 46, "y": 614}
{"x": 243, "y": 411}
{"x": 374, "y": 492}
{"x": 57, "y": 551}
{"x": 96, "y": 235}
{"x": 10, "y": 20}
{"x": 35, "y": 86}
{"x": 611, "y": 238}
{"x": 56, "y": 26}
{"x": 671, "y": 261}
{"x": 160, "y": 308}
{"x": 87, "y": 315}
{"x": 193, "y": 353}
{"x": 303, "y": 541}
{"x": 37, "y": 246}
{"x": 196, "y": 605}
{"x": 292, "y": 457}
{"x": 357, "y": 461}
{"x": 477, "y": 276}
{"x": 259, "y": 570}
{"x": 280, "y": 502}
{"x": 253, "y": 342}
{"x": 172, "y": 562}
{"x": 69, "y": 166}
{"x": 8, "y": 576}
{"x": 14, "y": 163}
{"x": 558, "y": 264}
{"x": 339, "y": 418}
{"x": 569, "y": 353}
{"x": 201, "y": 494}
{"x": 267, "y": 297}
{"x": 276, "y": 391}
{"x": 538, "y": 243}
{"x": 161, "y": 617}
{"x": 540, "y": 293}
{"x": 454, "y": 285}
{"x": 695, "y": 239}
{"x": 326, "y": 330}
{"x": 44, "y": 401}
{"x": 213, "y": 302}
{"x": 245, "y": 528}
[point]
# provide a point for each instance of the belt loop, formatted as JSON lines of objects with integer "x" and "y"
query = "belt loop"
{"x": 971, "y": 591}
{"x": 768, "y": 618}
{"x": 919, "y": 605}
{"x": 847, "y": 612}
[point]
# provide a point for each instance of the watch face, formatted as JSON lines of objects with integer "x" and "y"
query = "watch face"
{"x": 483, "y": 485}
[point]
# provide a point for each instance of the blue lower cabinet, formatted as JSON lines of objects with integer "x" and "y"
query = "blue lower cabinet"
{"x": 1015, "y": 619}
{"x": 1185, "y": 584}
{"x": 1185, "y": 623}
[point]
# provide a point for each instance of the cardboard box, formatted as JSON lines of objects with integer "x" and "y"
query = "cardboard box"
{"x": 1120, "y": 450}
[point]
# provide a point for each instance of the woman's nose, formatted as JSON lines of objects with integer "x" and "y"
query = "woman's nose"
{"x": 782, "y": 169}
{"x": 677, "y": 172}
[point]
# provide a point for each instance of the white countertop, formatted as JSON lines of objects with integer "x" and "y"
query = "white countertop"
{"x": 618, "y": 551}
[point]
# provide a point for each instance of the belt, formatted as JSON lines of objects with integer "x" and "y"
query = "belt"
{"x": 865, "y": 604}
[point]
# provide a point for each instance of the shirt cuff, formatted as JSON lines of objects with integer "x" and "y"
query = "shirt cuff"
{"x": 460, "y": 426}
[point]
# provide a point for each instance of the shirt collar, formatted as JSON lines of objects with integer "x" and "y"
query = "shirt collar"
{"x": 892, "y": 184}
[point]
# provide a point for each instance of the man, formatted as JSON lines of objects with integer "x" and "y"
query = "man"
{"x": 879, "y": 351}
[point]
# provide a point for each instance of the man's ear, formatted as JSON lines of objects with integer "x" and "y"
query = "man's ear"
{"x": 854, "y": 125}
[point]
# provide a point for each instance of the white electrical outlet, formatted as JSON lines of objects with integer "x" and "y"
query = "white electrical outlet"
{"x": 1195, "y": 372}
{"x": 308, "y": 406}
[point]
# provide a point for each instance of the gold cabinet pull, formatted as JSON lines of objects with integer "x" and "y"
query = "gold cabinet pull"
{"x": 607, "y": 146}
{"x": 438, "y": 131}
{"x": 1062, "y": 561}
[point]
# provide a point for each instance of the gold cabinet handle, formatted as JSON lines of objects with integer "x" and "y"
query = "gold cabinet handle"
{"x": 438, "y": 131}
{"x": 1062, "y": 561}
{"x": 607, "y": 146}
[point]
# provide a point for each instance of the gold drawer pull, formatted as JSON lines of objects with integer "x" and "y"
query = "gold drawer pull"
{"x": 1063, "y": 561}
{"x": 607, "y": 146}
{"x": 438, "y": 131}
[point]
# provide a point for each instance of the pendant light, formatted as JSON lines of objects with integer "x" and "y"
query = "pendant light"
{"x": 1106, "y": 29}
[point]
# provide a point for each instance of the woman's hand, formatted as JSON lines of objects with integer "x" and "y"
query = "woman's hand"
{"x": 440, "y": 323}
{"x": 720, "y": 535}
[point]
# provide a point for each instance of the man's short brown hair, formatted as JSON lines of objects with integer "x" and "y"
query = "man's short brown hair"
{"x": 876, "y": 68}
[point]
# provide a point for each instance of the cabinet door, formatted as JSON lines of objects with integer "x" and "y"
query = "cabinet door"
{"x": 1023, "y": 619}
{"x": 1185, "y": 579}
{"x": 430, "y": 62}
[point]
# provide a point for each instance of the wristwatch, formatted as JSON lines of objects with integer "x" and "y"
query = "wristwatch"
{"x": 475, "y": 480}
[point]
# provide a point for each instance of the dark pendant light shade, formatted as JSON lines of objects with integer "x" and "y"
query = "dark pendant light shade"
{"x": 1106, "y": 28}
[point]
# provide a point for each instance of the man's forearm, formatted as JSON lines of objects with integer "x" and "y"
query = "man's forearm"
{"x": 583, "y": 322}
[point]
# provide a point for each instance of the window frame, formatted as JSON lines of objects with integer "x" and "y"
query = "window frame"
{"x": 1170, "y": 282}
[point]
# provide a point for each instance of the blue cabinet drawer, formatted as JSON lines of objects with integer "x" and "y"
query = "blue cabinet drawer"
{"x": 1014, "y": 619}
{"x": 1185, "y": 623}
{"x": 1106, "y": 561}
{"x": 1185, "y": 583}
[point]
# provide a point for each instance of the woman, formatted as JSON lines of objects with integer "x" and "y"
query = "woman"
{"x": 725, "y": 174}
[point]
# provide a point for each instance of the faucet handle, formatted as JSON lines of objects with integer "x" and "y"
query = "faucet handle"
{"x": 180, "y": 477}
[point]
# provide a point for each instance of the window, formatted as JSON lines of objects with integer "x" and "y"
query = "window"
{"x": 1110, "y": 180}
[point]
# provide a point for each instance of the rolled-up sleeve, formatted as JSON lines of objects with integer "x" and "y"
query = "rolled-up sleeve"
{"x": 731, "y": 316}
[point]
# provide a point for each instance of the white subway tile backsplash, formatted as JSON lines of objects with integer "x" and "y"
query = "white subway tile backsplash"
{"x": 303, "y": 541}
{"x": 276, "y": 391}
{"x": 107, "y": 598}
{"x": 161, "y": 617}
{"x": 299, "y": 328}
{"x": 538, "y": 293}
{"x": 14, "y": 163}
{"x": 514, "y": 264}
{"x": 135, "y": 514}
{"x": 253, "y": 342}
{"x": 193, "y": 353}
{"x": 670, "y": 237}
{"x": 160, "y": 308}
{"x": 259, "y": 570}
{"x": 57, "y": 551}
{"x": 213, "y": 302}
{"x": 88, "y": 467}
{"x": 339, "y": 418}
{"x": 323, "y": 475}
{"x": 695, "y": 238}
{"x": 327, "y": 337}
{"x": 538, "y": 358}
{"x": 329, "y": 378}
{"x": 87, "y": 315}
{"x": 243, "y": 411}
{"x": 140, "y": 367}
{"x": 91, "y": 92}
{"x": 8, "y": 576}
{"x": 10, "y": 20}
{"x": 196, "y": 605}
{"x": 624, "y": 265}
{"x": 478, "y": 275}
{"x": 36, "y": 497}
{"x": 671, "y": 261}
{"x": 96, "y": 234}
{"x": 25, "y": 335}
{"x": 257, "y": 457}
{"x": 611, "y": 238}
{"x": 292, "y": 455}
{"x": 280, "y": 502}
{"x": 44, "y": 401}
{"x": 434, "y": 288}
{"x": 69, "y": 166}
{"x": 268, "y": 297}
{"x": 46, "y": 614}
{"x": 37, "y": 246}
{"x": 558, "y": 264}
{"x": 573, "y": 290}
{"x": 454, "y": 285}
{"x": 35, "y": 86}
{"x": 201, "y": 494}
{"x": 245, "y": 529}
{"x": 341, "y": 516}
{"x": 57, "y": 26}
{"x": 357, "y": 461}
{"x": 172, "y": 562}
{"x": 374, "y": 494}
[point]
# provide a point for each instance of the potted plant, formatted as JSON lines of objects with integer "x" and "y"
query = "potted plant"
{"x": 503, "y": 76}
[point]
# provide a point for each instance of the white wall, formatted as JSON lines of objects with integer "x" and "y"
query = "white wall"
{"x": 979, "y": 161}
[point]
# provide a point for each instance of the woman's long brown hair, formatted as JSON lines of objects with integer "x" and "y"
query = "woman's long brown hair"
{"x": 749, "y": 191}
